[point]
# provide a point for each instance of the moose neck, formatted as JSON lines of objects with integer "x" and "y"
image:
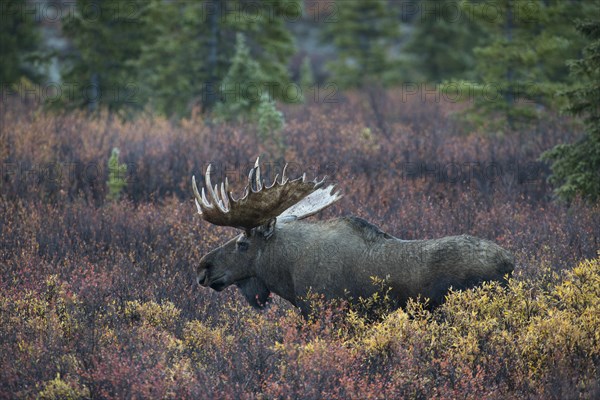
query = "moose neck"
{"x": 280, "y": 257}
{"x": 293, "y": 246}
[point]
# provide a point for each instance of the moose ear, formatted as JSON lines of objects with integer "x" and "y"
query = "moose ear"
{"x": 268, "y": 229}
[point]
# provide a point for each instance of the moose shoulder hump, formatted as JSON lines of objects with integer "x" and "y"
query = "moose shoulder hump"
{"x": 367, "y": 230}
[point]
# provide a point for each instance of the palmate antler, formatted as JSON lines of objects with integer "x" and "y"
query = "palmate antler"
{"x": 286, "y": 199}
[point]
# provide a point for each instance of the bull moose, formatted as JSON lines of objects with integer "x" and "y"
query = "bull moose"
{"x": 279, "y": 252}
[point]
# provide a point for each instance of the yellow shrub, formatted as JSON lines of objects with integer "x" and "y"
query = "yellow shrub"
{"x": 52, "y": 310}
{"x": 569, "y": 328}
{"x": 377, "y": 339}
{"x": 163, "y": 316}
{"x": 58, "y": 389}
{"x": 203, "y": 341}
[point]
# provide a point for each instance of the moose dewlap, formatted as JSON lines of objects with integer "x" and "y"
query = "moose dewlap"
{"x": 280, "y": 253}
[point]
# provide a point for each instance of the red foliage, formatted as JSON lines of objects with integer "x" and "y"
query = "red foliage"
{"x": 70, "y": 262}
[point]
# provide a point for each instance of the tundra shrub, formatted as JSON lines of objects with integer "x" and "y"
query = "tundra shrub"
{"x": 89, "y": 319}
{"x": 102, "y": 296}
{"x": 58, "y": 389}
{"x": 163, "y": 315}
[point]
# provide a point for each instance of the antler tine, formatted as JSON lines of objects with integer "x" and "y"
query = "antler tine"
{"x": 251, "y": 181}
{"x": 196, "y": 194}
{"x": 212, "y": 191}
{"x": 199, "y": 198}
{"x": 220, "y": 202}
{"x": 205, "y": 202}
{"x": 198, "y": 206}
{"x": 230, "y": 198}
{"x": 257, "y": 176}
{"x": 320, "y": 183}
{"x": 195, "y": 188}
{"x": 283, "y": 178}
{"x": 208, "y": 185}
{"x": 226, "y": 203}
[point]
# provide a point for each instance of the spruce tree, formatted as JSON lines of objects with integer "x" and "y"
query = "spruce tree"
{"x": 576, "y": 166}
{"x": 364, "y": 35}
{"x": 270, "y": 121}
{"x": 272, "y": 42}
{"x": 307, "y": 79}
{"x": 521, "y": 66}
{"x": 242, "y": 87}
{"x": 20, "y": 44}
{"x": 173, "y": 63}
{"x": 107, "y": 38}
{"x": 443, "y": 41}
{"x": 116, "y": 176}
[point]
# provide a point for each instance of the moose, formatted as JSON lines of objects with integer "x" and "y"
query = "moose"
{"x": 278, "y": 252}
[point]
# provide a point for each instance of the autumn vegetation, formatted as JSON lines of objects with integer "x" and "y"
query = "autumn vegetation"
{"x": 98, "y": 300}
{"x": 476, "y": 117}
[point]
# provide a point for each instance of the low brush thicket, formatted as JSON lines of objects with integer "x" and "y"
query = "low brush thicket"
{"x": 98, "y": 297}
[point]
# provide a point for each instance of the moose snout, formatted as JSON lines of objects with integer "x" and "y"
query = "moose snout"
{"x": 202, "y": 273}
{"x": 201, "y": 277}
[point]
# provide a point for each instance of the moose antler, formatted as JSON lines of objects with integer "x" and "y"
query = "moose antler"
{"x": 295, "y": 199}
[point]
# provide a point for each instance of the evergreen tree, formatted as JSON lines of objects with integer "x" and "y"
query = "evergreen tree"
{"x": 521, "y": 66}
{"x": 242, "y": 87}
{"x": 271, "y": 42}
{"x": 307, "y": 79}
{"x": 173, "y": 63}
{"x": 443, "y": 41}
{"x": 116, "y": 176}
{"x": 270, "y": 124}
{"x": 364, "y": 35}
{"x": 194, "y": 48}
{"x": 19, "y": 44}
{"x": 107, "y": 36}
{"x": 576, "y": 166}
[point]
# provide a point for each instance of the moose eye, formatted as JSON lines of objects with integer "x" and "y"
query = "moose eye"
{"x": 242, "y": 246}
